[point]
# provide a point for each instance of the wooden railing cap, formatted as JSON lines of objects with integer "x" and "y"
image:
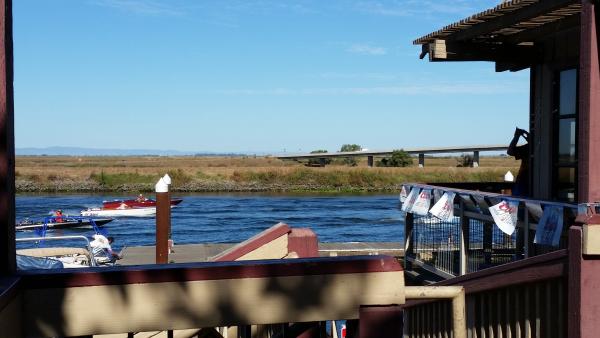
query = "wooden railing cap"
{"x": 185, "y": 272}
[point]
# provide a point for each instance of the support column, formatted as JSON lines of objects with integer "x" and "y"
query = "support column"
{"x": 476, "y": 159}
{"x": 7, "y": 143}
{"x": 370, "y": 161}
{"x": 584, "y": 283}
{"x": 589, "y": 108}
{"x": 421, "y": 160}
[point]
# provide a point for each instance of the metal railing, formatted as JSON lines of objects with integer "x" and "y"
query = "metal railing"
{"x": 470, "y": 241}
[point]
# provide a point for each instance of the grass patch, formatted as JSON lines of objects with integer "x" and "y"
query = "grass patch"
{"x": 116, "y": 179}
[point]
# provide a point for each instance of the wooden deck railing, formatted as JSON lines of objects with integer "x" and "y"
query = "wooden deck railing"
{"x": 470, "y": 241}
{"x": 520, "y": 299}
{"x": 200, "y": 295}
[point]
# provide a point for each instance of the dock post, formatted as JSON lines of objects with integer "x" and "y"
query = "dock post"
{"x": 421, "y": 160}
{"x": 476, "y": 159}
{"x": 170, "y": 242}
{"x": 163, "y": 221}
{"x": 370, "y": 160}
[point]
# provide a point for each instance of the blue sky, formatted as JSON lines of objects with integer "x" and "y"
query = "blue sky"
{"x": 252, "y": 75}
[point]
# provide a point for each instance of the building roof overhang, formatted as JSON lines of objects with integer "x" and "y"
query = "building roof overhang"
{"x": 505, "y": 34}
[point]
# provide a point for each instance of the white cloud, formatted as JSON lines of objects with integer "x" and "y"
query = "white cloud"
{"x": 141, "y": 7}
{"x": 366, "y": 49}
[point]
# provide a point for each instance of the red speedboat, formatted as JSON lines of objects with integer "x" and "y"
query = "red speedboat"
{"x": 136, "y": 203}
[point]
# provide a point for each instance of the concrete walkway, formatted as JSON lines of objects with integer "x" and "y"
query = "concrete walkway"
{"x": 188, "y": 253}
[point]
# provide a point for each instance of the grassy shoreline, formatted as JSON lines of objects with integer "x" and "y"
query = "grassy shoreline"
{"x": 236, "y": 174}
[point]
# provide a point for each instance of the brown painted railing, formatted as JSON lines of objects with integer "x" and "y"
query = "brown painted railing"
{"x": 186, "y": 296}
{"x": 520, "y": 299}
{"x": 471, "y": 242}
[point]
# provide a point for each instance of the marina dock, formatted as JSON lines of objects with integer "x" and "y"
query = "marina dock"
{"x": 190, "y": 253}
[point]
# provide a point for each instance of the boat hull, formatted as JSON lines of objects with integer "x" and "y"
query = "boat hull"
{"x": 122, "y": 204}
{"x": 131, "y": 212}
{"x": 68, "y": 223}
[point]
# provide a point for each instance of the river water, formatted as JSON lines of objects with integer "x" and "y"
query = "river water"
{"x": 232, "y": 218}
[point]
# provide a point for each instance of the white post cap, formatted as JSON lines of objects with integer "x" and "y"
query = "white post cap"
{"x": 509, "y": 177}
{"x": 161, "y": 186}
{"x": 167, "y": 179}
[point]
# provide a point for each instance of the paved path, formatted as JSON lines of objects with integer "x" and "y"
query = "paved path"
{"x": 187, "y": 253}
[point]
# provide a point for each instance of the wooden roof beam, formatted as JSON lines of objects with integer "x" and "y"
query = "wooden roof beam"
{"x": 442, "y": 50}
{"x": 513, "y": 67}
{"x": 530, "y": 35}
{"x": 510, "y": 19}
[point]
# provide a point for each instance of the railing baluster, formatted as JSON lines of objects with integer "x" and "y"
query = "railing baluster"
{"x": 548, "y": 306}
{"x": 491, "y": 317}
{"x": 471, "y": 329}
{"x": 447, "y": 331}
{"x": 499, "y": 315}
{"x": 483, "y": 316}
{"x": 538, "y": 312}
{"x": 507, "y": 311}
{"x": 464, "y": 238}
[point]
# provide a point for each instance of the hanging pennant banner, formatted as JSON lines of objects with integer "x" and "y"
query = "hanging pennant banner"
{"x": 505, "y": 215}
{"x": 444, "y": 208}
{"x": 421, "y": 206}
{"x": 403, "y": 194}
{"x": 550, "y": 227}
{"x": 437, "y": 194}
{"x": 535, "y": 211}
{"x": 410, "y": 199}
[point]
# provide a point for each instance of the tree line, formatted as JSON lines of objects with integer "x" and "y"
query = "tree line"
{"x": 399, "y": 158}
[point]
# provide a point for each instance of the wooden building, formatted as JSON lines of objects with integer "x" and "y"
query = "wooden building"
{"x": 517, "y": 286}
{"x": 556, "y": 42}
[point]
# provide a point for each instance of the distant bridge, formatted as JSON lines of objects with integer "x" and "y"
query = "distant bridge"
{"x": 414, "y": 151}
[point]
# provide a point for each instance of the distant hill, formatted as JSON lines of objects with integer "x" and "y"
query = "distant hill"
{"x": 75, "y": 151}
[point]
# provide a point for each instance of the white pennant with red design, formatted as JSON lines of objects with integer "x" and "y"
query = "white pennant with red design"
{"x": 505, "y": 215}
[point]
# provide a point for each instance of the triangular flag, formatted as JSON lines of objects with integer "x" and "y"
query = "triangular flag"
{"x": 505, "y": 215}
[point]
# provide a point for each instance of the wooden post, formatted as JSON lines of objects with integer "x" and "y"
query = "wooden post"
{"x": 488, "y": 250}
{"x": 409, "y": 223}
{"x": 584, "y": 283}
{"x": 370, "y": 160}
{"x": 380, "y": 321}
{"x": 588, "y": 124}
{"x": 304, "y": 242}
{"x": 163, "y": 221}
{"x": 7, "y": 143}
{"x": 475, "y": 159}
{"x": 170, "y": 242}
{"x": 464, "y": 240}
{"x": 421, "y": 160}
